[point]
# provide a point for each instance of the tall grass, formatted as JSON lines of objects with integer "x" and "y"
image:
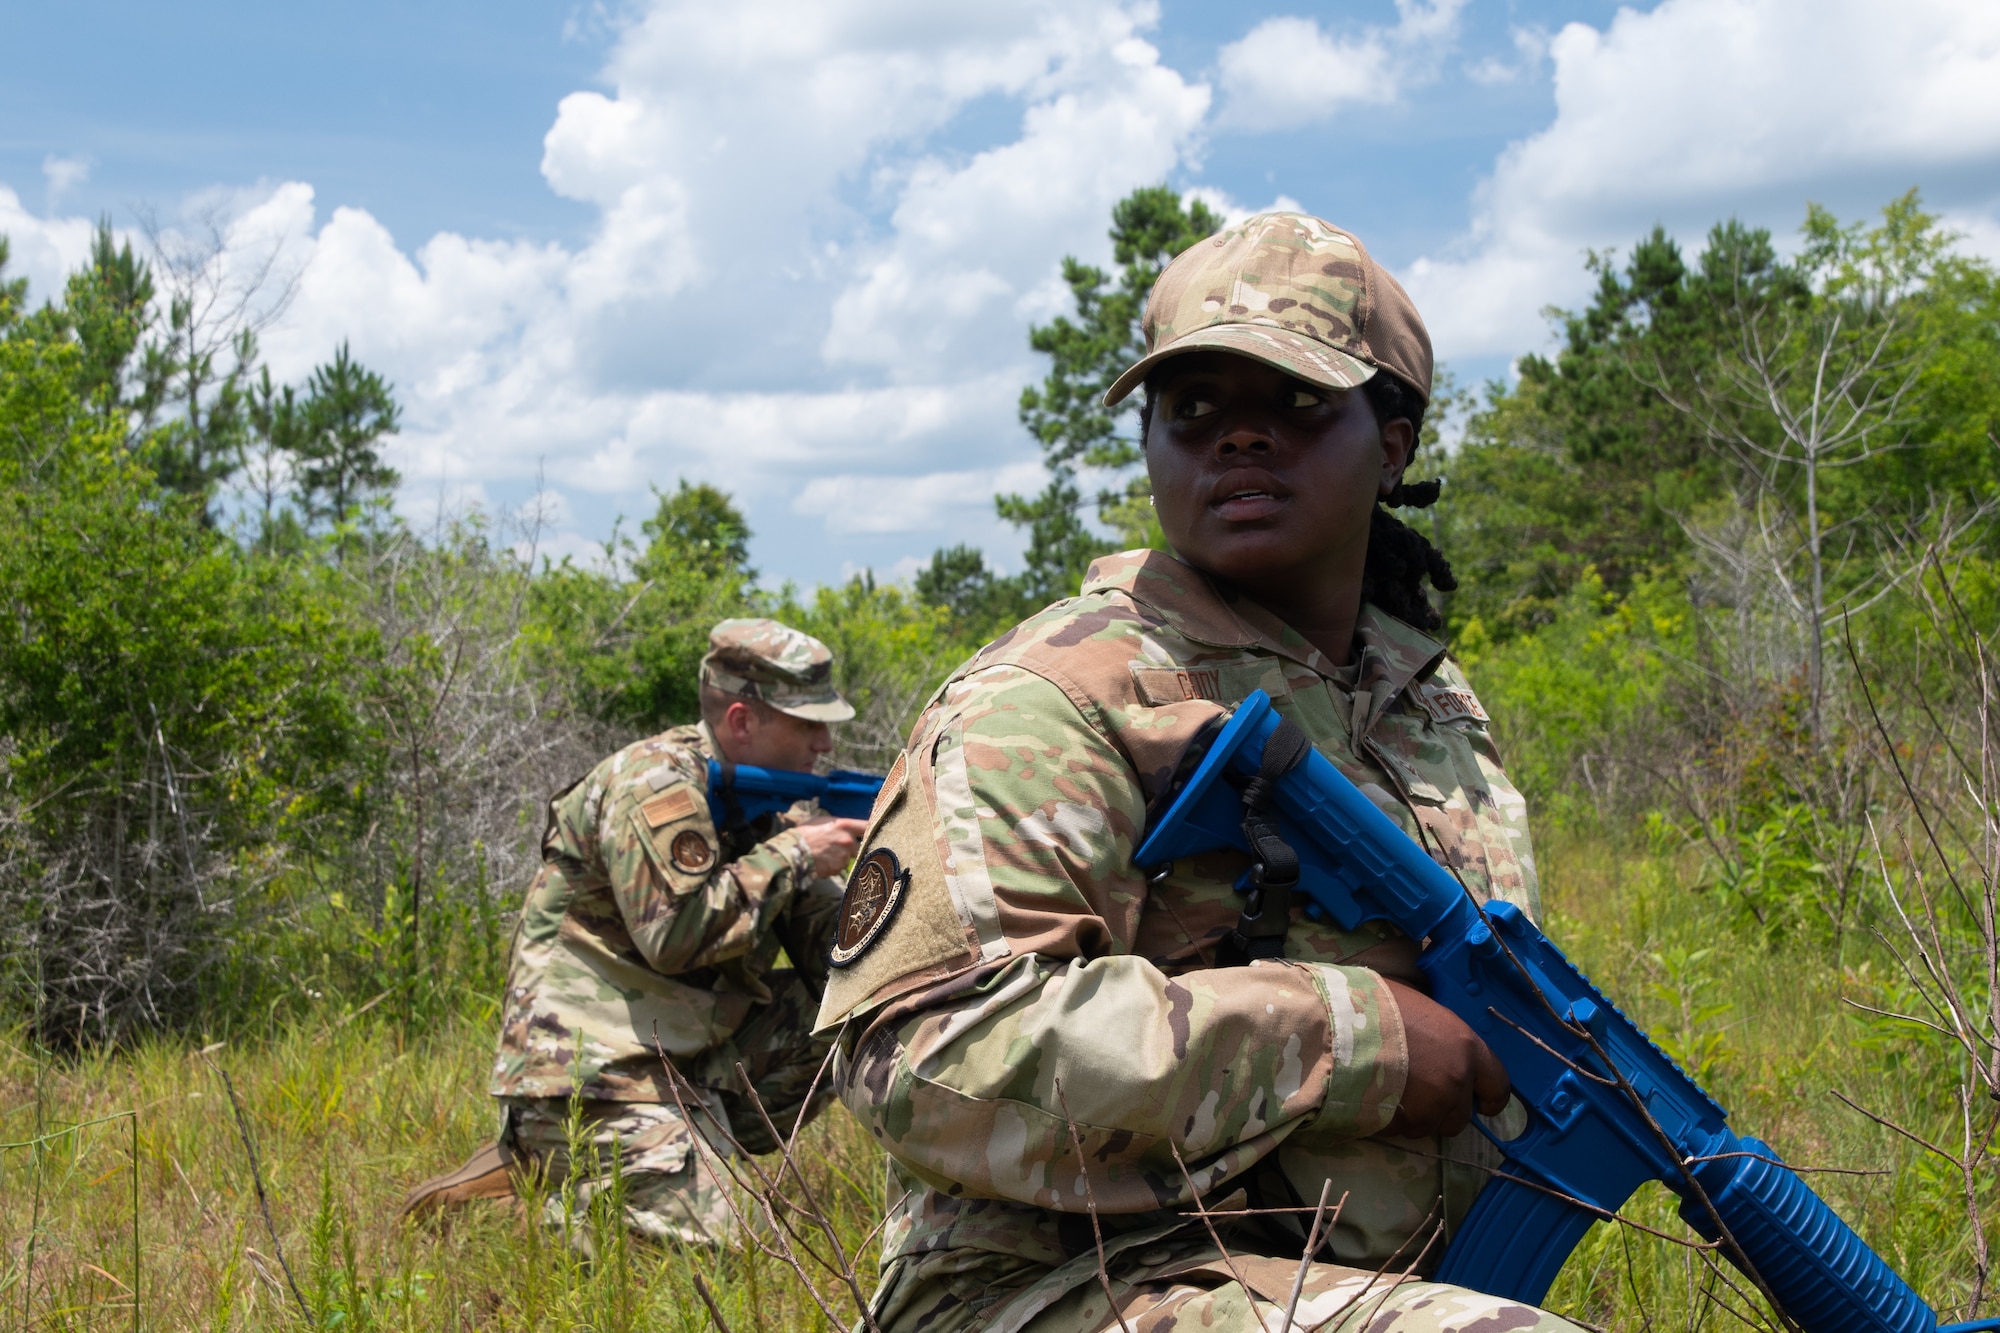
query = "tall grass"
{"x": 347, "y": 1113}
{"x": 1765, "y": 1025}
{"x": 346, "y": 1116}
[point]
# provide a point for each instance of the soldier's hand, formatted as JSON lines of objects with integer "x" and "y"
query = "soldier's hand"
{"x": 1451, "y": 1069}
{"x": 832, "y": 842}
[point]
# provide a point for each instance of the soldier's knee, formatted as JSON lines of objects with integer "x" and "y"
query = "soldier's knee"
{"x": 690, "y": 1207}
{"x": 1432, "y": 1307}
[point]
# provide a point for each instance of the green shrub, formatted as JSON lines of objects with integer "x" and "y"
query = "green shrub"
{"x": 171, "y": 707}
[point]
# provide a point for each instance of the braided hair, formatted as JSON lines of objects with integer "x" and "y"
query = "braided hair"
{"x": 1399, "y": 558}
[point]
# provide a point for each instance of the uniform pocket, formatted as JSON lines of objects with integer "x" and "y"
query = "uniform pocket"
{"x": 1418, "y": 762}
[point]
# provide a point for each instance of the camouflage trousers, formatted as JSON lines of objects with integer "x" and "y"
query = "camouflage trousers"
{"x": 677, "y": 1175}
{"x": 1181, "y": 1287}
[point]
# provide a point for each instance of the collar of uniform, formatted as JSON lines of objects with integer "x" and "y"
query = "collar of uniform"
{"x": 1175, "y": 591}
{"x": 706, "y": 739}
{"x": 1391, "y": 653}
{"x": 1394, "y": 650}
{"x": 1278, "y": 637}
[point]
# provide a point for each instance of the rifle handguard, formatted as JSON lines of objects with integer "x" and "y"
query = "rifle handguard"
{"x": 741, "y": 793}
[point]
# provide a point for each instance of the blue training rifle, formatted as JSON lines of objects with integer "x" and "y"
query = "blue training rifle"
{"x": 738, "y": 793}
{"x": 1607, "y": 1109}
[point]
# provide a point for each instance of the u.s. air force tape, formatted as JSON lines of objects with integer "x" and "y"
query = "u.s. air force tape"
{"x": 874, "y": 891}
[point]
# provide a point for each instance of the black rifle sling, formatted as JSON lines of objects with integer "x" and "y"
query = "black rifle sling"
{"x": 1274, "y": 866}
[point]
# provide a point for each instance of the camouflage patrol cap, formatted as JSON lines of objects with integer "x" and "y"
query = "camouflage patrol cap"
{"x": 761, "y": 659}
{"x": 1292, "y": 291}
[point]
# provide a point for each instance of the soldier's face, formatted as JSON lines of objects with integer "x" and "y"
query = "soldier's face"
{"x": 766, "y": 738}
{"x": 1265, "y": 480}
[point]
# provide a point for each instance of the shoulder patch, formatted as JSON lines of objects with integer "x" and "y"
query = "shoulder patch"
{"x": 1449, "y": 704}
{"x": 874, "y": 891}
{"x": 667, "y": 807}
{"x": 690, "y": 852}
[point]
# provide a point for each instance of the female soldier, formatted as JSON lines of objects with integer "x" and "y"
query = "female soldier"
{"x": 1033, "y": 1027}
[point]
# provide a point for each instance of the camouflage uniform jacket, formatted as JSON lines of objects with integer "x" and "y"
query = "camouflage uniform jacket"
{"x": 641, "y": 920}
{"x": 1031, "y": 977}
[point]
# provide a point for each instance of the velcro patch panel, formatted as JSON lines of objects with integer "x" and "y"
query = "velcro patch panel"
{"x": 667, "y": 807}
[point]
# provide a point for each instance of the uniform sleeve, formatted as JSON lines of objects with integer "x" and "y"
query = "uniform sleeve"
{"x": 1498, "y": 814}
{"x": 684, "y": 908}
{"x": 974, "y": 1083}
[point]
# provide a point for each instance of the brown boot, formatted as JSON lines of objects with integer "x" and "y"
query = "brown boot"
{"x": 487, "y": 1174}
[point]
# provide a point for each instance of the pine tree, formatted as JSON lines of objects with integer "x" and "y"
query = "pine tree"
{"x": 13, "y": 292}
{"x": 981, "y": 601}
{"x": 348, "y": 409}
{"x": 277, "y": 427}
{"x": 201, "y": 445}
{"x": 1066, "y": 413}
{"x": 107, "y": 308}
{"x": 176, "y": 393}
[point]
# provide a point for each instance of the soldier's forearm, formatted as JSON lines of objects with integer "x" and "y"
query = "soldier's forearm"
{"x": 981, "y": 1095}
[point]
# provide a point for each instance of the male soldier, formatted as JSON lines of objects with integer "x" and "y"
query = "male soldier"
{"x": 647, "y": 922}
{"x": 1033, "y": 1026}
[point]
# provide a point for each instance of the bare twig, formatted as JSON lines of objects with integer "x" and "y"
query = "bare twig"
{"x": 812, "y": 1208}
{"x": 1602, "y": 1214}
{"x": 1794, "y": 1168}
{"x": 1305, "y": 1258}
{"x": 770, "y": 1199}
{"x": 263, "y": 1200}
{"x": 1938, "y": 986}
{"x": 1568, "y": 1063}
{"x": 812, "y": 1090}
{"x": 1090, "y": 1203}
{"x": 1738, "y": 1255}
{"x": 1430, "y": 1231}
{"x": 1893, "y": 1127}
{"x": 701, "y": 1290}
{"x": 1207, "y": 1218}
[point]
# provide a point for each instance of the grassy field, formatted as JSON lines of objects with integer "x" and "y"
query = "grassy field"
{"x": 345, "y": 1119}
{"x": 347, "y": 1113}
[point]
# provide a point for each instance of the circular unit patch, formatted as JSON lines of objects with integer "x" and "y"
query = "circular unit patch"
{"x": 691, "y": 852}
{"x": 874, "y": 891}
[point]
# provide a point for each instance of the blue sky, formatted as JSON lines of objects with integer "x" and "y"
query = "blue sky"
{"x": 793, "y": 246}
{"x": 429, "y": 115}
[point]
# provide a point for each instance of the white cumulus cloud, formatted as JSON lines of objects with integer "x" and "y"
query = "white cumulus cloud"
{"x": 1289, "y": 70}
{"x": 821, "y": 228}
{"x": 62, "y": 175}
{"x": 1700, "y": 109}
{"x": 935, "y": 502}
{"x": 796, "y": 275}
{"x": 42, "y": 250}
